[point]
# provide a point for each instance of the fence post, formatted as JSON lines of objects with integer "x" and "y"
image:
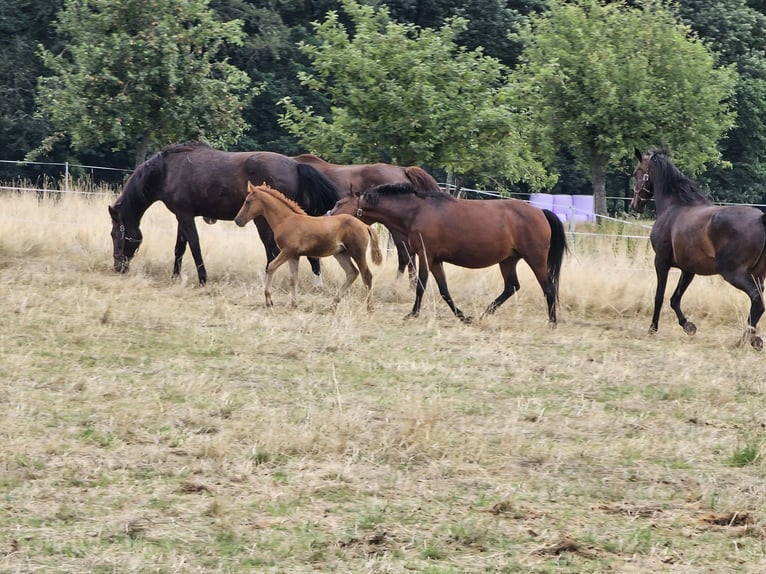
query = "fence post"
{"x": 66, "y": 177}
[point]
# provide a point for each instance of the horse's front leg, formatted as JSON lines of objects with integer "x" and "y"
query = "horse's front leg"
{"x": 187, "y": 227}
{"x": 675, "y": 302}
{"x": 420, "y": 287}
{"x": 661, "y": 269}
{"x": 271, "y": 268}
{"x": 404, "y": 258}
{"x": 437, "y": 269}
{"x": 180, "y": 249}
{"x": 294, "y": 280}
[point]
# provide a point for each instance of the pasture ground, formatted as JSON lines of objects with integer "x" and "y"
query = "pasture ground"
{"x": 156, "y": 426}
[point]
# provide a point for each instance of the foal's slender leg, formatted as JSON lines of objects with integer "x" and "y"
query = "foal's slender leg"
{"x": 180, "y": 249}
{"x": 189, "y": 229}
{"x": 364, "y": 270}
{"x": 351, "y": 273}
{"x": 437, "y": 269}
{"x": 675, "y": 302}
{"x": 294, "y": 280}
{"x": 271, "y": 268}
{"x": 753, "y": 287}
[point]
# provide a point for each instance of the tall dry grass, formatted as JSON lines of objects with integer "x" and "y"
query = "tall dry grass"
{"x": 152, "y": 425}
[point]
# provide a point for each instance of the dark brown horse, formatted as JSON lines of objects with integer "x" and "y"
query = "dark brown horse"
{"x": 297, "y": 234}
{"x": 361, "y": 177}
{"x": 192, "y": 179}
{"x": 468, "y": 233}
{"x": 699, "y": 238}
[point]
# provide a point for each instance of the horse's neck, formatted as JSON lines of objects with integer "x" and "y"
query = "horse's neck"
{"x": 276, "y": 211}
{"x": 132, "y": 208}
{"x": 395, "y": 214}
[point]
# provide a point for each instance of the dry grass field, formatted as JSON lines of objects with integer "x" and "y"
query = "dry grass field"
{"x": 149, "y": 425}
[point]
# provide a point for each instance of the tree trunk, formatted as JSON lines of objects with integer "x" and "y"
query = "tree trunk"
{"x": 598, "y": 181}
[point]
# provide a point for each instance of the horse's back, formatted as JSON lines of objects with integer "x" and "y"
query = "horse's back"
{"x": 704, "y": 239}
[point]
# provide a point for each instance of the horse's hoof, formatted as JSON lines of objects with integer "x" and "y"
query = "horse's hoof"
{"x": 652, "y": 329}
{"x": 690, "y": 328}
{"x": 466, "y": 319}
{"x": 757, "y": 343}
{"x": 552, "y": 325}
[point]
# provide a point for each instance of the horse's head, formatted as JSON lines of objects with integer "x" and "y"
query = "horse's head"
{"x": 126, "y": 239}
{"x": 350, "y": 205}
{"x": 643, "y": 187}
{"x": 252, "y": 206}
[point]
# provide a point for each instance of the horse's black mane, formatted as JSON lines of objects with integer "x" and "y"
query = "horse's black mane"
{"x": 392, "y": 189}
{"x": 141, "y": 188}
{"x": 671, "y": 180}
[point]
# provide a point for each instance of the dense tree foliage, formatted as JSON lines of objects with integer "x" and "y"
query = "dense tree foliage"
{"x": 600, "y": 79}
{"x": 268, "y": 52}
{"x": 142, "y": 72}
{"x": 737, "y": 33}
{"x": 409, "y": 95}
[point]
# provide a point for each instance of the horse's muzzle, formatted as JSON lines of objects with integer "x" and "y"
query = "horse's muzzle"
{"x": 121, "y": 264}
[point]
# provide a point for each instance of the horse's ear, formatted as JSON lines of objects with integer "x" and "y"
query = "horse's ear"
{"x": 639, "y": 155}
{"x": 250, "y": 186}
{"x": 114, "y": 213}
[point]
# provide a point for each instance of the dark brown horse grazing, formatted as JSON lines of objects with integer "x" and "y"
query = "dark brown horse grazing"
{"x": 699, "y": 238}
{"x": 192, "y": 179}
{"x": 361, "y": 177}
{"x": 469, "y": 233}
{"x": 297, "y": 234}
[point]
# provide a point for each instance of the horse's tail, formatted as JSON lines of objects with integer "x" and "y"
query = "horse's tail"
{"x": 317, "y": 193}
{"x": 421, "y": 179}
{"x": 377, "y": 255}
{"x": 557, "y": 248}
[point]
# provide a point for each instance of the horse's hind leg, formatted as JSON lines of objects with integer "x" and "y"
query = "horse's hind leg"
{"x": 187, "y": 227}
{"x": 364, "y": 270}
{"x": 753, "y": 287}
{"x": 316, "y": 271}
{"x": 540, "y": 269}
{"x": 511, "y": 284}
{"x": 294, "y": 280}
{"x": 351, "y": 273}
{"x": 180, "y": 249}
{"x": 675, "y": 302}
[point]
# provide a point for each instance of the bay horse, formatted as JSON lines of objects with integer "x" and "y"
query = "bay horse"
{"x": 349, "y": 178}
{"x": 699, "y": 238}
{"x": 193, "y": 179}
{"x": 298, "y": 234}
{"x": 469, "y": 233}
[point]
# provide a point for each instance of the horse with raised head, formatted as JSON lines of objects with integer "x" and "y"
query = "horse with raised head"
{"x": 361, "y": 177}
{"x": 469, "y": 233}
{"x": 699, "y": 238}
{"x": 298, "y": 234}
{"x": 193, "y": 179}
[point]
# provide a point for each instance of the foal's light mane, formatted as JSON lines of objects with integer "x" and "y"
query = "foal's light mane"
{"x": 276, "y": 194}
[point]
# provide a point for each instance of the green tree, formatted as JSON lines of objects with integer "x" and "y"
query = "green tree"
{"x": 601, "y": 79}
{"x": 737, "y": 33}
{"x": 23, "y": 24}
{"x": 410, "y": 95}
{"x": 142, "y": 73}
